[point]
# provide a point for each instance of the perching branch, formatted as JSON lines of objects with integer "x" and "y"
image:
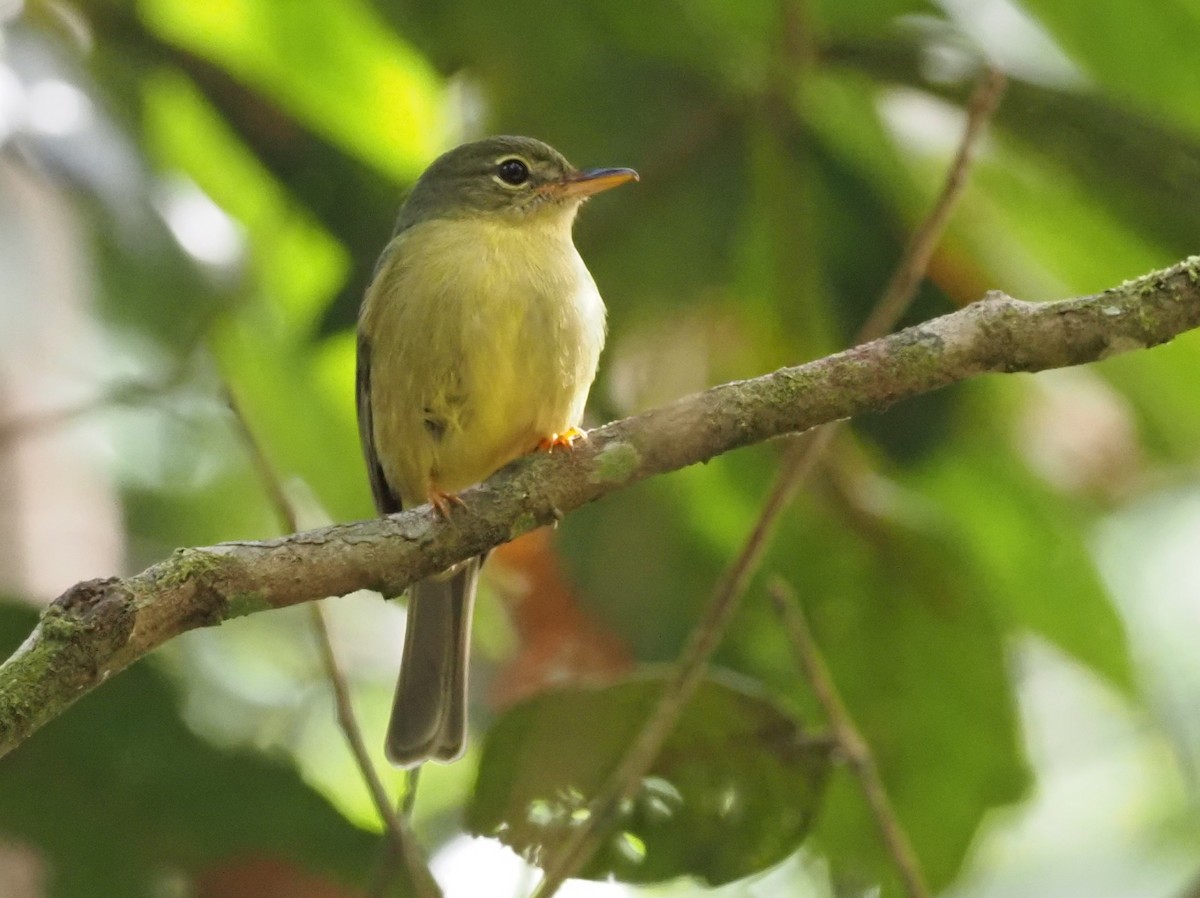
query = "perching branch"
{"x": 99, "y": 627}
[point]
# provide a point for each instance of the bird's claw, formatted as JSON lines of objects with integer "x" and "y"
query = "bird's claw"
{"x": 442, "y": 502}
{"x": 565, "y": 440}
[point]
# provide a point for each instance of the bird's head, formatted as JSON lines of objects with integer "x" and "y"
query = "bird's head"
{"x": 517, "y": 177}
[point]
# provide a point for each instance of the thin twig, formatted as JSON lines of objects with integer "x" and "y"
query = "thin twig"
{"x": 849, "y": 739}
{"x": 389, "y": 862}
{"x": 914, "y": 263}
{"x": 800, "y": 459}
{"x": 412, "y": 778}
{"x": 399, "y": 835}
{"x": 276, "y": 495}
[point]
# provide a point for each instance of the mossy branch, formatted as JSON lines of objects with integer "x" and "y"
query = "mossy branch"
{"x": 99, "y": 627}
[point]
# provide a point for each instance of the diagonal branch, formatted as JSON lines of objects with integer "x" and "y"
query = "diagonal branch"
{"x": 99, "y": 627}
{"x": 849, "y": 739}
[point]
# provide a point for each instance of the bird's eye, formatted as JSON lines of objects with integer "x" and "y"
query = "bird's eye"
{"x": 513, "y": 172}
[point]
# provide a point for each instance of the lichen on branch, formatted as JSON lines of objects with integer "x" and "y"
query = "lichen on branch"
{"x": 99, "y": 627}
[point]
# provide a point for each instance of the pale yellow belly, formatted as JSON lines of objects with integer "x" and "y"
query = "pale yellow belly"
{"x": 473, "y": 364}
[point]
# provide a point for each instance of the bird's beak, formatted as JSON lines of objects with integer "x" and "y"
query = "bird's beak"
{"x": 584, "y": 183}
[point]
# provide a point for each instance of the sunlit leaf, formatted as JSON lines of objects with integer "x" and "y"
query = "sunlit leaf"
{"x": 375, "y": 94}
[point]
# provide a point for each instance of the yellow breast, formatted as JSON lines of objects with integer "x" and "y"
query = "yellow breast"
{"x": 485, "y": 338}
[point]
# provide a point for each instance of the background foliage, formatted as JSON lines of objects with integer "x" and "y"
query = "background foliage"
{"x": 1002, "y": 575}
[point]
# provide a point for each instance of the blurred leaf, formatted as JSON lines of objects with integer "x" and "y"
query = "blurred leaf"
{"x": 309, "y": 386}
{"x": 1134, "y": 53}
{"x": 259, "y": 133}
{"x": 851, "y": 18}
{"x": 920, "y": 658}
{"x": 1029, "y": 545}
{"x": 733, "y": 791}
{"x": 298, "y": 403}
{"x": 1084, "y": 147}
{"x": 376, "y": 96}
{"x": 118, "y": 791}
{"x": 651, "y": 600}
{"x": 786, "y": 152}
{"x": 1161, "y": 390}
{"x": 150, "y": 286}
{"x": 1080, "y": 146}
{"x": 296, "y": 263}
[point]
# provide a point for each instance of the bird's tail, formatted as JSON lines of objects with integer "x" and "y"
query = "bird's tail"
{"x": 429, "y": 715}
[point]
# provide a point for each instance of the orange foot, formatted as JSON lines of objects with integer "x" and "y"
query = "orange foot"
{"x": 565, "y": 440}
{"x": 443, "y": 501}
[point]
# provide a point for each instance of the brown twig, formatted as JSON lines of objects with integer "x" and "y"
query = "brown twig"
{"x": 914, "y": 262}
{"x": 800, "y": 459}
{"x": 389, "y": 862}
{"x": 849, "y": 739}
{"x": 263, "y": 469}
{"x": 400, "y": 837}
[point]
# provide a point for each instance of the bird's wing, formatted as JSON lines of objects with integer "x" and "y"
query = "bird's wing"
{"x": 386, "y": 500}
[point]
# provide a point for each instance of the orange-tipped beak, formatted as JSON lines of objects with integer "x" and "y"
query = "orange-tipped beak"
{"x": 592, "y": 180}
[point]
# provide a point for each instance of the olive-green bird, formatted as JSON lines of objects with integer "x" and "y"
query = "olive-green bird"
{"x": 478, "y": 341}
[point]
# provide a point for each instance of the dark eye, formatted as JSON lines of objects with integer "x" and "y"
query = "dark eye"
{"x": 513, "y": 171}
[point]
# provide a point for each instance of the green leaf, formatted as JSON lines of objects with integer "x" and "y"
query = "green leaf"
{"x": 733, "y": 791}
{"x": 919, "y": 655}
{"x": 1120, "y": 183}
{"x": 652, "y": 598}
{"x": 1142, "y": 54}
{"x": 375, "y": 95}
{"x": 118, "y": 791}
{"x": 1027, "y": 545}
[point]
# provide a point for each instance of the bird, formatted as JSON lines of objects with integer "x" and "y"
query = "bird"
{"x": 479, "y": 337}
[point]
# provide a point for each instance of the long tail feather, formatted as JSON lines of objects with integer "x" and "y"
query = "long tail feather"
{"x": 429, "y": 715}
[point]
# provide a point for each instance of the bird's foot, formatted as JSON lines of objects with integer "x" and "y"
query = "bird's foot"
{"x": 444, "y": 501}
{"x": 565, "y": 440}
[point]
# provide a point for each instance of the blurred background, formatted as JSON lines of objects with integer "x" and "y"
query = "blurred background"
{"x": 1003, "y": 575}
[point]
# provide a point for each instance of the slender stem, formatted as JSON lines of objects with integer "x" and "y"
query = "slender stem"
{"x": 910, "y": 270}
{"x": 267, "y": 478}
{"x": 399, "y": 835}
{"x": 914, "y": 263}
{"x": 389, "y": 862}
{"x": 799, "y": 460}
{"x": 408, "y": 801}
{"x": 849, "y": 739}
